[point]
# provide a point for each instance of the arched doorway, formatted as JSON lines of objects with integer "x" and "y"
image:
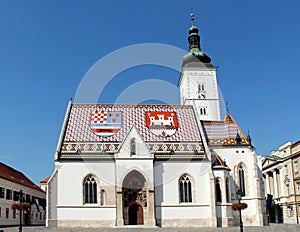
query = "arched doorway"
{"x": 134, "y": 191}
{"x": 136, "y": 214}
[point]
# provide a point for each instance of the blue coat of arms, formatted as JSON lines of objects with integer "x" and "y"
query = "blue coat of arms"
{"x": 106, "y": 124}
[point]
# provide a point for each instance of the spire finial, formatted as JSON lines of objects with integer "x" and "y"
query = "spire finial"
{"x": 192, "y": 17}
{"x": 227, "y": 108}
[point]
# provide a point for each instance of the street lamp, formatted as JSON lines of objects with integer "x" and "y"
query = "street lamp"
{"x": 239, "y": 197}
{"x": 21, "y": 201}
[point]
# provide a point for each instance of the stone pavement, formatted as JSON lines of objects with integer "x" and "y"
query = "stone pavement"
{"x": 270, "y": 228}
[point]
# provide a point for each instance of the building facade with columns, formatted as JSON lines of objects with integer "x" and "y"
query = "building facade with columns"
{"x": 282, "y": 183}
{"x": 156, "y": 165}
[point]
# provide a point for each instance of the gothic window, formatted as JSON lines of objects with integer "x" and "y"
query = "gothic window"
{"x": 185, "y": 188}
{"x": 132, "y": 147}
{"x": 90, "y": 190}
{"x": 218, "y": 191}
{"x": 102, "y": 197}
{"x": 227, "y": 190}
{"x": 242, "y": 179}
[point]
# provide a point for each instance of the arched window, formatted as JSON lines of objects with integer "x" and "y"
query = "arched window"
{"x": 185, "y": 188}
{"x": 102, "y": 197}
{"x": 227, "y": 190}
{"x": 90, "y": 190}
{"x": 218, "y": 191}
{"x": 132, "y": 147}
{"x": 242, "y": 179}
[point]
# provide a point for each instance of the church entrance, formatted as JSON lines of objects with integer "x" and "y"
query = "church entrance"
{"x": 136, "y": 215}
{"x": 134, "y": 194}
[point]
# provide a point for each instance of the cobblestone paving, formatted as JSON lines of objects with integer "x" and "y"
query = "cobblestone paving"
{"x": 270, "y": 228}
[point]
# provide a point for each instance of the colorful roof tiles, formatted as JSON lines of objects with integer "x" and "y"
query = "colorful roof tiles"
{"x": 83, "y": 132}
{"x": 224, "y": 132}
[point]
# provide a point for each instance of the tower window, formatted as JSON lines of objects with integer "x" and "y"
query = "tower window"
{"x": 203, "y": 110}
{"x": 201, "y": 87}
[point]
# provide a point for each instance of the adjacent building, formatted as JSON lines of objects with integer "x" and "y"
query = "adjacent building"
{"x": 282, "y": 183}
{"x": 11, "y": 183}
{"x": 156, "y": 165}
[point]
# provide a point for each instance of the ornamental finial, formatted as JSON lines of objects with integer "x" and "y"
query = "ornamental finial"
{"x": 192, "y": 18}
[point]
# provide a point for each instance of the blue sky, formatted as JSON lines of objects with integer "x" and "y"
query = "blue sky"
{"x": 46, "y": 47}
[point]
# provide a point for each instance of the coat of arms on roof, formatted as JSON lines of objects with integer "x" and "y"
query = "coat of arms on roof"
{"x": 106, "y": 124}
{"x": 162, "y": 123}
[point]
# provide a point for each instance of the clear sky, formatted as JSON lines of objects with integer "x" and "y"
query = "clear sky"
{"x": 46, "y": 47}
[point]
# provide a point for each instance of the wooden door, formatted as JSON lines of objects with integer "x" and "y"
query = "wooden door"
{"x": 140, "y": 215}
{"x": 136, "y": 215}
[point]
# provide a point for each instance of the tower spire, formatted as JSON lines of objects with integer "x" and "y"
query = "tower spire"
{"x": 194, "y": 45}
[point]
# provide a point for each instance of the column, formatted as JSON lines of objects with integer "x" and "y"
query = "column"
{"x": 267, "y": 184}
{"x": 275, "y": 184}
{"x": 120, "y": 221}
{"x": 151, "y": 208}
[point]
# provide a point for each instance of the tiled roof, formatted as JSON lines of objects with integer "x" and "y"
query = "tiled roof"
{"x": 217, "y": 162}
{"x": 13, "y": 175}
{"x": 79, "y": 135}
{"x": 45, "y": 180}
{"x": 223, "y": 132}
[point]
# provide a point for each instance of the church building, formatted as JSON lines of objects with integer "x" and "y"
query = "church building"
{"x": 156, "y": 165}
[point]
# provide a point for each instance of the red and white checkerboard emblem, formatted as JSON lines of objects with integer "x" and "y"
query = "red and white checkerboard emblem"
{"x": 106, "y": 124}
{"x": 162, "y": 123}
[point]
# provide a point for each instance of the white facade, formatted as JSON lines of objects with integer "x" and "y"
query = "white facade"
{"x": 187, "y": 178}
{"x": 35, "y": 215}
{"x": 282, "y": 183}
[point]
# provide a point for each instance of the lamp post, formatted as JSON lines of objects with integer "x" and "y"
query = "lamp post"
{"x": 239, "y": 197}
{"x": 21, "y": 201}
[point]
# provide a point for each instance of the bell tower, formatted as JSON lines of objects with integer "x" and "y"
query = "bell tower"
{"x": 198, "y": 80}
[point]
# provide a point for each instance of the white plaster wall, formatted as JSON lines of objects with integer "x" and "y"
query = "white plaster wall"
{"x": 167, "y": 176}
{"x": 52, "y": 197}
{"x": 72, "y": 175}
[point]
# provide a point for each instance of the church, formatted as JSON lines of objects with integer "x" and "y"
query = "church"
{"x": 156, "y": 165}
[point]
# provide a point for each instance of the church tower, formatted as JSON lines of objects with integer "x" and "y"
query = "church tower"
{"x": 198, "y": 81}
